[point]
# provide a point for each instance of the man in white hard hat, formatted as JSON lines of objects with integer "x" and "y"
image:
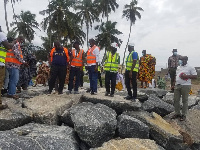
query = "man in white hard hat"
{"x": 111, "y": 67}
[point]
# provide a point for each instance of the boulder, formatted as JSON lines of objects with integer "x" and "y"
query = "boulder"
{"x": 118, "y": 103}
{"x": 14, "y": 116}
{"x": 66, "y": 118}
{"x": 155, "y": 104}
{"x": 190, "y": 127}
{"x": 47, "y": 109}
{"x": 129, "y": 127}
{"x": 158, "y": 92}
{"x": 94, "y": 123}
{"x": 39, "y": 137}
{"x": 196, "y": 106}
{"x": 130, "y": 144}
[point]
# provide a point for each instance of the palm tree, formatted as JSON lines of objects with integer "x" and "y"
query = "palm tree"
{"x": 58, "y": 14}
{"x": 87, "y": 12}
{"x": 106, "y": 6}
{"x": 25, "y": 24}
{"x": 107, "y": 30}
{"x": 131, "y": 11}
{"x": 5, "y": 10}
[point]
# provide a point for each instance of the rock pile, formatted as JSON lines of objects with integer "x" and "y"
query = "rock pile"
{"x": 96, "y": 122}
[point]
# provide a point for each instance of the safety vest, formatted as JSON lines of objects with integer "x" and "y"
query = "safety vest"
{"x": 83, "y": 68}
{"x": 2, "y": 54}
{"x": 10, "y": 56}
{"x": 99, "y": 68}
{"x": 111, "y": 63}
{"x": 129, "y": 63}
{"x": 77, "y": 60}
{"x": 91, "y": 58}
{"x": 54, "y": 50}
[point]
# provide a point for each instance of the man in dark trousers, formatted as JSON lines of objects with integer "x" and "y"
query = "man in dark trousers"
{"x": 59, "y": 60}
{"x": 76, "y": 68}
{"x": 111, "y": 67}
{"x": 132, "y": 68}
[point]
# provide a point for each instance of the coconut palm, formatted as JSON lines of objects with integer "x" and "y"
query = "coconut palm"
{"x": 106, "y": 6}
{"x": 87, "y": 12}
{"x": 25, "y": 25}
{"x": 5, "y": 10}
{"x": 131, "y": 12}
{"x": 58, "y": 14}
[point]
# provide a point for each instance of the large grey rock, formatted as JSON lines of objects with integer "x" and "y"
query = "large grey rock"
{"x": 196, "y": 106}
{"x": 118, "y": 103}
{"x": 129, "y": 127}
{"x": 66, "y": 118}
{"x": 39, "y": 137}
{"x": 47, "y": 109}
{"x": 94, "y": 123}
{"x": 14, "y": 116}
{"x": 130, "y": 144}
{"x": 155, "y": 104}
{"x": 158, "y": 92}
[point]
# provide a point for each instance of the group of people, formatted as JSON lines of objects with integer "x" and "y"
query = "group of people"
{"x": 76, "y": 60}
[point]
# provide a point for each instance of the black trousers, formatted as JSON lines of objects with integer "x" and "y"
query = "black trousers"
{"x": 81, "y": 78}
{"x": 60, "y": 72}
{"x": 74, "y": 72}
{"x": 99, "y": 78}
{"x": 110, "y": 77}
{"x": 128, "y": 81}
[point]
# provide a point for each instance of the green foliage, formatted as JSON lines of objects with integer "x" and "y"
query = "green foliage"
{"x": 25, "y": 25}
{"x": 108, "y": 34}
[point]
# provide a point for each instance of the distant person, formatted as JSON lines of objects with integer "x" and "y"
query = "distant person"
{"x": 76, "y": 68}
{"x": 132, "y": 68}
{"x": 172, "y": 66}
{"x": 59, "y": 60}
{"x": 111, "y": 66}
{"x": 184, "y": 74}
{"x": 14, "y": 59}
{"x": 92, "y": 65}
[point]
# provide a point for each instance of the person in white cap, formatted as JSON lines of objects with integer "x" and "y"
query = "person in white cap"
{"x": 111, "y": 66}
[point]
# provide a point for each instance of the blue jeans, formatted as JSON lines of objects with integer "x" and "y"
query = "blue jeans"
{"x": 13, "y": 80}
{"x": 93, "y": 76}
{"x": 74, "y": 72}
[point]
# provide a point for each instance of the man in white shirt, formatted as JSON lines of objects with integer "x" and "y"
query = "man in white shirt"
{"x": 92, "y": 65}
{"x": 184, "y": 74}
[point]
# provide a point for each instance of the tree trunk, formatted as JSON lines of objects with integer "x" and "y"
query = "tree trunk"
{"x": 87, "y": 26}
{"x": 14, "y": 15}
{"x": 126, "y": 46}
{"x": 6, "y": 17}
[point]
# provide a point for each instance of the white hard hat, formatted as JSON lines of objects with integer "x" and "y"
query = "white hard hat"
{"x": 115, "y": 45}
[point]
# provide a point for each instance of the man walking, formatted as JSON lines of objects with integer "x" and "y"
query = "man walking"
{"x": 76, "y": 68}
{"x": 172, "y": 66}
{"x": 92, "y": 65}
{"x": 14, "y": 59}
{"x": 59, "y": 59}
{"x": 132, "y": 67}
{"x": 111, "y": 67}
{"x": 184, "y": 74}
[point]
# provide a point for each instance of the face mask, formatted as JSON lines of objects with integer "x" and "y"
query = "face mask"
{"x": 180, "y": 62}
{"x": 175, "y": 53}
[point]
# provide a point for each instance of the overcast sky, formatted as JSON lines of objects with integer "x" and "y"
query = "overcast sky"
{"x": 165, "y": 24}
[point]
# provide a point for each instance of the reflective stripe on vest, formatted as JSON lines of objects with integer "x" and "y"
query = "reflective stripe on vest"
{"x": 65, "y": 50}
{"x": 2, "y": 54}
{"x": 111, "y": 63}
{"x": 11, "y": 58}
{"x": 91, "y": 58}
{"x": 129, "y": 63}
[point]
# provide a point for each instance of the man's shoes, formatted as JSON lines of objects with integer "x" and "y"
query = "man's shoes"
{"x": 13, "y": 96}
{"x": 88, "y": 90}
{"x": 133, "y": 99}
{"x": 59, "y": 93}
{"x": 3, "y": 106}
{"x": 176, "y": 116}
{"x": 69, "y": 92}
{"x": 107, "y": 93}
{"x": 111, "y": 95}
{"x": 4, "y": 91}
{"x": 76, "y": 92}
{"x": 183, "y": 118}
{"x": 128, "y": 97}
{"x": 93, "y": 93}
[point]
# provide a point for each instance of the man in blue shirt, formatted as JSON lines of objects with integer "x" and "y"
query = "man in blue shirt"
{"x": 132, "y": 67}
